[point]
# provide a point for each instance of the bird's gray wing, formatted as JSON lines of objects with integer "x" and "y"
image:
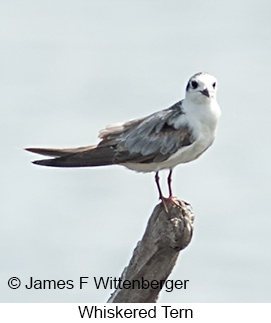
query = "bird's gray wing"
{"x": 151, "y": 139}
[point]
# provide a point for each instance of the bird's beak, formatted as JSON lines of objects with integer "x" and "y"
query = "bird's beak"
{"x": 205, "y": 92}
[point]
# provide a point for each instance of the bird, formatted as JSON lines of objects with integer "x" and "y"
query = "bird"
{"x": 160, "y": 141}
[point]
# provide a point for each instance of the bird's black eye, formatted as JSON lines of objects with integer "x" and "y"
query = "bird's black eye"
{"x": 214, "y": 85}
{"x": 194, "y": 84}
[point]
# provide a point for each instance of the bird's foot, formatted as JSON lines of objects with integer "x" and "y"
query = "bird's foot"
{"x": 173, "y": 200}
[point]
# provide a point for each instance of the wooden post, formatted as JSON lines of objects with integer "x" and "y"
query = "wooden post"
{"x": 154, "y": 257}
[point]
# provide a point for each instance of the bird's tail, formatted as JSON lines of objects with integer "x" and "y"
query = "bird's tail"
{"x": 75, "y": 157}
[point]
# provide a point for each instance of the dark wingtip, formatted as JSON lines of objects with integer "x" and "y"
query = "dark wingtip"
{"x": 45, "y": 162}
{"x": 34, "y": 150}
{"x": 37, "y": 162}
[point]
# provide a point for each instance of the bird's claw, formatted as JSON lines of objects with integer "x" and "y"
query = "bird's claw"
{"x": 171, "y": 199}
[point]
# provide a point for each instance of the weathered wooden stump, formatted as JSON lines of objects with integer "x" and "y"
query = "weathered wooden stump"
{"x": 154, "y": 257}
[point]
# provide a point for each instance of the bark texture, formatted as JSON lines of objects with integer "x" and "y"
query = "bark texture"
{"x": 154, "y": 257}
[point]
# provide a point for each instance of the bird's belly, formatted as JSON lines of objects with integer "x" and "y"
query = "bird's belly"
{"x": 186, "y": 154}
{"x": 193, "y": 151}
{"x": 183, "y": 155}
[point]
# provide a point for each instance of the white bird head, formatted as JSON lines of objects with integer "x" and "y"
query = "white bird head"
{"x": 201, "y": 88}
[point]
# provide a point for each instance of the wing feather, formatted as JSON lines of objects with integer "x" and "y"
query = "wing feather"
{"x": 151, "y": 139}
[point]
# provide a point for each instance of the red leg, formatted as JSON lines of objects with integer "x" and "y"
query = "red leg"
{"x": 171, "y": 197}
{"x": 161, "y": 197}
{"x": 157, "y": 178}
{"x": 169, "y": 184}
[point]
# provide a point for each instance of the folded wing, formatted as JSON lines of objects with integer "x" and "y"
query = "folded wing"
{"x": 147, "y": 140}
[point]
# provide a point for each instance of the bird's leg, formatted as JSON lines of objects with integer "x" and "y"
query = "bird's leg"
{"x": 169, "y": 183}
{"x": 171, "y": 198}
{"x": 157, "y": 178}
{"x": 161, "y": 197}
{"x": 165, "y": 200}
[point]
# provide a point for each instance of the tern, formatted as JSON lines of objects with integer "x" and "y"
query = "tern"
{"x": 162, "y": 140}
